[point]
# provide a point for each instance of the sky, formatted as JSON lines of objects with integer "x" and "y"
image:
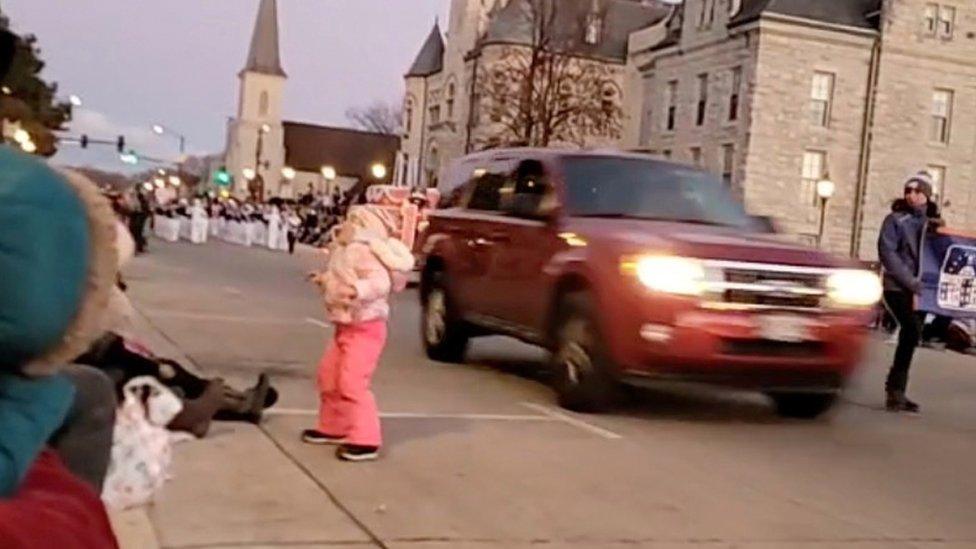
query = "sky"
{"x": 136, "y": 63}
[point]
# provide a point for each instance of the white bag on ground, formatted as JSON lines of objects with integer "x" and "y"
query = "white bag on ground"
{"x": 141, "y": 446}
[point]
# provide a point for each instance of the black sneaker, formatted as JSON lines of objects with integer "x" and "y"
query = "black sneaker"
{"x": 311, "y": 436}
{"x": 353, "y": 452}
{"x": 910, "y": 407}
{"x": 896, "y": 401}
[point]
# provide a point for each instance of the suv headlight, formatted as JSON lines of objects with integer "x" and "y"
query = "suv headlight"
{"x": 854, "y": 288}
{"x": 667, "y": 274}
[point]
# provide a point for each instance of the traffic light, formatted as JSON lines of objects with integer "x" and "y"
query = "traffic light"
{"x": 84, "y": 141}
{"x": 222, "y": 177}
{"x": 120, "y": 144}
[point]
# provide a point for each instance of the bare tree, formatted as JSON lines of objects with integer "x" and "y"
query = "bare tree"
{"x": 378, "y": 117}
{"x": 540, "y": 93}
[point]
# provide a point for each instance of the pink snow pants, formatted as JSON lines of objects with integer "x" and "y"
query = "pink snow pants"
{"x": 348, "y": 407}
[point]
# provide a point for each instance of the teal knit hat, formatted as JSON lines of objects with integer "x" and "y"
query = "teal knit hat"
{"x": 44, "y": 255}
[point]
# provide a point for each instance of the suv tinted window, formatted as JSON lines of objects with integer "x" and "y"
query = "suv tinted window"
{"x": 487, "y": 184}
{"x": 530, "y": 185}
{"x": 649, "y": 189}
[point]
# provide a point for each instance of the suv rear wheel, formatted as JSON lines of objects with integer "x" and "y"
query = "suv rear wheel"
{"x": 803, "y": 405}
{"x": 580, "y": 366}
{"x": 445, "y": 336}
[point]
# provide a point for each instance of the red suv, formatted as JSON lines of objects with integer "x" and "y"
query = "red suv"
{"x": 634, "y": 270}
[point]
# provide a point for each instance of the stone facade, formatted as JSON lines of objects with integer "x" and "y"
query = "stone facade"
{"x": 913, "y": 64}
{"x": 439, "y": 124}
{"x": 873, "y": 136}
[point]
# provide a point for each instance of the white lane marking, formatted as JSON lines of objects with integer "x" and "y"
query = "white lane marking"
{"x": 419, "y": 415}
{"x": 220, "y": 318}
{"x": 569, "y": 420}
{"x": 317, "y": 322}
{"x": 232, "y": 290}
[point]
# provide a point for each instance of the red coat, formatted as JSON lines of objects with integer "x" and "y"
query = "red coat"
{"x": 53, "y": 510}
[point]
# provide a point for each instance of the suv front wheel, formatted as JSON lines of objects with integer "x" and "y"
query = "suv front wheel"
{"x": 580, "y": 366}
{"x": 445, "y": 336}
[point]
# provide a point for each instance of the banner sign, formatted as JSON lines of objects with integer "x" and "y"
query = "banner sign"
{"x": 948, "y": 265}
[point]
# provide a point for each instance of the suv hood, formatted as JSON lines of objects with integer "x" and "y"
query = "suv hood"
{"x": 700, "y": 241}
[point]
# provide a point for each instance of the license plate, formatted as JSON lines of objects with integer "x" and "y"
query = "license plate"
{"x": 784, "y": 328}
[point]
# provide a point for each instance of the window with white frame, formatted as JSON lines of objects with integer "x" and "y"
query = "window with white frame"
{"x": 670, "y": 105}
{"x": 728, "y": 162}
{"x": 594, "y": 28}
{"x": 711, "y": 13}
{"x": 734, "y": 95}
{"x": 814, "y": 170}
{"x": 931, "y": 19}
{"x": 938, "y": 174}
{"x": 941, "y": 116}
{"x": 947, "y": 21}
{"x": 821, "y": 95}
{"x": 450, "y": 101}
{"x": 702, "y": 99}
{"x": 940, "y": 21}
{"x": 408, "y": 116}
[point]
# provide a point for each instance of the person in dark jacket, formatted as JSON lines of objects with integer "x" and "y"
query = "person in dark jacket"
{"x": 899, "y": 243}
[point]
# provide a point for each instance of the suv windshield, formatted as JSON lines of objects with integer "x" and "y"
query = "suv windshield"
{"x": 648, "y": 189}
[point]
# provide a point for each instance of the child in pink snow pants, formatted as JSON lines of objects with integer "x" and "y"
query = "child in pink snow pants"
{"x": 365, "y": 267}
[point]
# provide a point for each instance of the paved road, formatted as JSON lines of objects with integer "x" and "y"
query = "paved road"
{"x": 479, "y": 456}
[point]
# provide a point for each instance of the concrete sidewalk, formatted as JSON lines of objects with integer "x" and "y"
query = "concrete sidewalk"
{"x": 235, "y": 488}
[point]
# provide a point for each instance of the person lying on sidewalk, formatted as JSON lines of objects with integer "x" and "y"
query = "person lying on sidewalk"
{"x": 118, "y": 354}
{"x": 204, "y": 399}
{"x": 55, "y": 274}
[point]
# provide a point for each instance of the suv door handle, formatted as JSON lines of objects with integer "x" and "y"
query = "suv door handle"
{"x": 478, "y": 242}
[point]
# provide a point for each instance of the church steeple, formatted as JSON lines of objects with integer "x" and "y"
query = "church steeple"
{"x": 264, "y": 57}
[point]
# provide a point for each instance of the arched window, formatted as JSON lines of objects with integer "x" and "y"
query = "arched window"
{"x": 263, "y": 104}
{"x": 433, "y": 166}
{"x": 594, "y": 28}
{"x": 408, "y": 115}
{"x": 451, "y": 88}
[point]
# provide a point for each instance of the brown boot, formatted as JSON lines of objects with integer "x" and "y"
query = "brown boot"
{"x": 197, "y": 414}
{"x": 247, "y": 406}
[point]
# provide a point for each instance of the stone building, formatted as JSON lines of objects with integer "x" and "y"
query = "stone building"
{"x": 443, "y": 85}
{"x": 773, "y": 95}
{"x": 778, "y": 94}
{"x": 268, "y": 156}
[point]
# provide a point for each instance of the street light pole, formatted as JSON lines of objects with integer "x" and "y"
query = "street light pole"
{"x": 825, "y": 190}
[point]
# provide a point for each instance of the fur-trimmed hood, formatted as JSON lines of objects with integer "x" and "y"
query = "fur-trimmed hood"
{"x": 103, "y": 263}
{"x": 392, "y": 253}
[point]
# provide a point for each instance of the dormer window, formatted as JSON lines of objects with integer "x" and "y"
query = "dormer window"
{"x": 594, "y": 28}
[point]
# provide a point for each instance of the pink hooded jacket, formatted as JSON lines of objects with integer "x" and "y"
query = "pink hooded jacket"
{"x": 375, "y": 267}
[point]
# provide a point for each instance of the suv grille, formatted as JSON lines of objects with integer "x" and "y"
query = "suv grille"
{"x": 757, "y": 285}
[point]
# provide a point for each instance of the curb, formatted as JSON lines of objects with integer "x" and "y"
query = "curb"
{"x": 133, "y": 529}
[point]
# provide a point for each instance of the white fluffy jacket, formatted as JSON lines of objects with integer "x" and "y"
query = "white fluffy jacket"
{"x": 375, "y": 267}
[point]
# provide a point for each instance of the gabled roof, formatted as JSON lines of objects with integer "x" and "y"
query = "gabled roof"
{"x": 352, "y": 153}
{"x": 263, "y": 57}
{"x": 852, "y": 13}
{"x": 621, "y": 18}
{"x": 430, "y": 60}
